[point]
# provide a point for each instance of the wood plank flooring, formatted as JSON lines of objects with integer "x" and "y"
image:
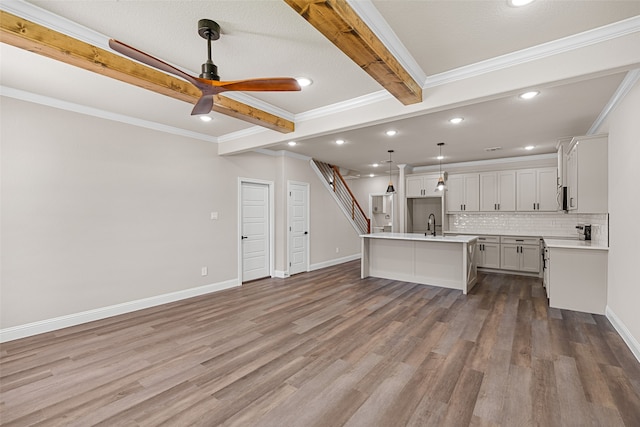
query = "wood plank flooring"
{"x": 329, "y": 349}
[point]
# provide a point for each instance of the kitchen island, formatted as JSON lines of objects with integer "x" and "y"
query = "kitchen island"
{"x": 447, "y": 261}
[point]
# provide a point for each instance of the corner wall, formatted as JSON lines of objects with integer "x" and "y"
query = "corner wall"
{"x": 624, "y": 206}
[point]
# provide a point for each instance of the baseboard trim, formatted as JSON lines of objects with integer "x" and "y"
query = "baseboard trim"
{"x": 281, "y": 274}
{"x": 48, "y": 325}
{"x": 333, "y": 262}
{"x": 619, "y": 326}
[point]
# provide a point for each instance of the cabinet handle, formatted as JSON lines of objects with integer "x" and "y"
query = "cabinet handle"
{"x": 461, "y": 207}
{"x": 534, "y": 206}
{"x": 495, "y": 206}
{"x": 498, "y": 206}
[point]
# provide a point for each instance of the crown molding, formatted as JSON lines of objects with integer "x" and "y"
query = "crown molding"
{"x": 625, "y": 86}
{"x": 95, "y": 112}
{"x": 343, "y": 106}
{"x": 370, "y": 15}
{"x": 282, "y": 153}
{"x": 572, "y": 42}
{"x": 488, "y": 162}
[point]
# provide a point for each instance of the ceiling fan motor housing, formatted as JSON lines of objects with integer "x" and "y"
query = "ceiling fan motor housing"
{"x": 209, "y": 71}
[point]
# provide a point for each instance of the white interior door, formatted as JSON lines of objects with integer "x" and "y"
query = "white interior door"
{"x": 298, "y": 227}
{"x": 255, "y": 231}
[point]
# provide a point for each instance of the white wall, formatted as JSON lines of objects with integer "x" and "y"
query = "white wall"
{"x": 96, "y": 213}
{"x": 624, "y": 206}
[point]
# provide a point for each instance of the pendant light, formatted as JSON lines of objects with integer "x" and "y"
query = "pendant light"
{"x": 440, "y": 185}
{"x": 390, "y": 188}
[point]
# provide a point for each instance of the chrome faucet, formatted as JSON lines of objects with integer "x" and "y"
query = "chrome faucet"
{"x": 431, "y": 221}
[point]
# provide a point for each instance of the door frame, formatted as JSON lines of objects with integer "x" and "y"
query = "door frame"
{"x": 391, "y": 203}
{"x": 271, "y": 209}
{"x": 308, "y": 260}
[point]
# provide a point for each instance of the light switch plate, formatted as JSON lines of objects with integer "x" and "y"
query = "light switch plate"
{"x": 214, "y": 215}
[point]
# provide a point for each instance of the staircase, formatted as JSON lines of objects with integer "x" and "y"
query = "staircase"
{"x": 336, "y": 184}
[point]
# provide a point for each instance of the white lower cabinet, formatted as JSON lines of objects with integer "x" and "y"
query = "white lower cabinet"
{"x": 578, "y": 279}
{"x": 488, "y": 252}
{"x": 520, "y": 254}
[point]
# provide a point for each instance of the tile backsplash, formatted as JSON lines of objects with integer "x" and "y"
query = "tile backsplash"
{"x": 533, "y": 224}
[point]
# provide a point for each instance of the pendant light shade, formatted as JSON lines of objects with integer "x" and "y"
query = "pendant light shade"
{"x": 390, "y": 188}
{"x": 440, "y": 184}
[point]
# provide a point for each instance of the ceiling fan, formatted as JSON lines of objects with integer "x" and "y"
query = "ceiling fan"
{"x": 209, "y": 82}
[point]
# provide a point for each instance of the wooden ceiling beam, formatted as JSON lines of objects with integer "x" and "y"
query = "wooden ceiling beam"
{"x": 44, "y": 41}
{"x": 338, "y": 22}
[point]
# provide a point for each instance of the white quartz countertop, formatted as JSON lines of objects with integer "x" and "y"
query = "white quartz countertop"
{"x": 514, "y": 234}
{"x": 574, "y": 244}
{"x": 420, "y": 236}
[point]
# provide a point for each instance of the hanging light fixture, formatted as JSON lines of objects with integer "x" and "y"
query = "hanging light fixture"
{"x": 440, "y": 185}
{"x": 390, "y": 188}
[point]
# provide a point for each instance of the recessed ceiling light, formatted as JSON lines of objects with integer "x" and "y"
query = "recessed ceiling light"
{"x": 519, "y": 3}
{"x": 529, "y": 147}
{"x": 456, "y": 120}
{"x": 304, "y": 81}
{"x": 291, "y": 143}
{"x": 371, "y": 175}
{"x": 440, "y": 157}
{"x": 529, "y": 95}
{"x": 375, "y": 165}
{"x": 339, "y": 141}
{"x": 205, "y": 118}
{"x": 391, "y": 132}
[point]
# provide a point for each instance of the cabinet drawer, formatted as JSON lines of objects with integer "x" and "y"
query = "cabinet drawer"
{"x": 512, "y": 240}
{"x": 488, "y": 239}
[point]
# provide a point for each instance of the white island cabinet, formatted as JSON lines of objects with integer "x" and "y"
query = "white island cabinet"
{"x": 448, "y": 262}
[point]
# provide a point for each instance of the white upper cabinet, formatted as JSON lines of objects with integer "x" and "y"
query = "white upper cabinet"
{"x": 463, "y": 193}
{"x": 537, "y": 190}
{"x": 422, "y": 186}
{"x": 587, "y": 175}
{"x": 498, "y": 191}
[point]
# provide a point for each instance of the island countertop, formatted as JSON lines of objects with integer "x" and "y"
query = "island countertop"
{"x": 420, "y": 237}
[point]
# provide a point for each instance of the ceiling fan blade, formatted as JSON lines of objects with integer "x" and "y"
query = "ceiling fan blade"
{"x": 145, "y": 58}
{"x": 274, "y": 84}
{"x": 204, "y": 105}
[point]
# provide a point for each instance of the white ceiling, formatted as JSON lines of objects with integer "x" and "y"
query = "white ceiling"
{"x": 438, "y": 39}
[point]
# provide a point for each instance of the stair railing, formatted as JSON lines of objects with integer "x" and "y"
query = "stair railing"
{"x": 345, "y": 197}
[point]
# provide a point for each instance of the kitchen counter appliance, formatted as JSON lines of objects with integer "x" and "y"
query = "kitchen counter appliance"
{"x": 584, "y": 231}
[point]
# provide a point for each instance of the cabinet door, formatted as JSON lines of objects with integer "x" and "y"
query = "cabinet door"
{"x": 472, "y": 193}
{"x": 429, "y": 183}
{"x": 547, "y": 187}
{"x": 572, "y": 179}
{"x": 414, "y": 186}
{"x": 491, "y": 255}
{"x": 526, "y": 190}
{"x": 488, "y": 192}
{"x": 506, "y": 191}
{"x": 455, "y": 193}
{"x": 530, "y": 258}
{"x": 510, "y": 257}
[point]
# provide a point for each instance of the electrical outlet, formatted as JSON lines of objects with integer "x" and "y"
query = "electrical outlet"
{"x": 337, "y": 250}
{"x": 204, "y": 271}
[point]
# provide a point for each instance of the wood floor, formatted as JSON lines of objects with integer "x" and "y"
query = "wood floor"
{"x": 329, "y": 349}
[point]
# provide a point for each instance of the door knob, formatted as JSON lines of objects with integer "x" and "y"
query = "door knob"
{"x": 243, "y": 237}
{"x": 306, "y": 232}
